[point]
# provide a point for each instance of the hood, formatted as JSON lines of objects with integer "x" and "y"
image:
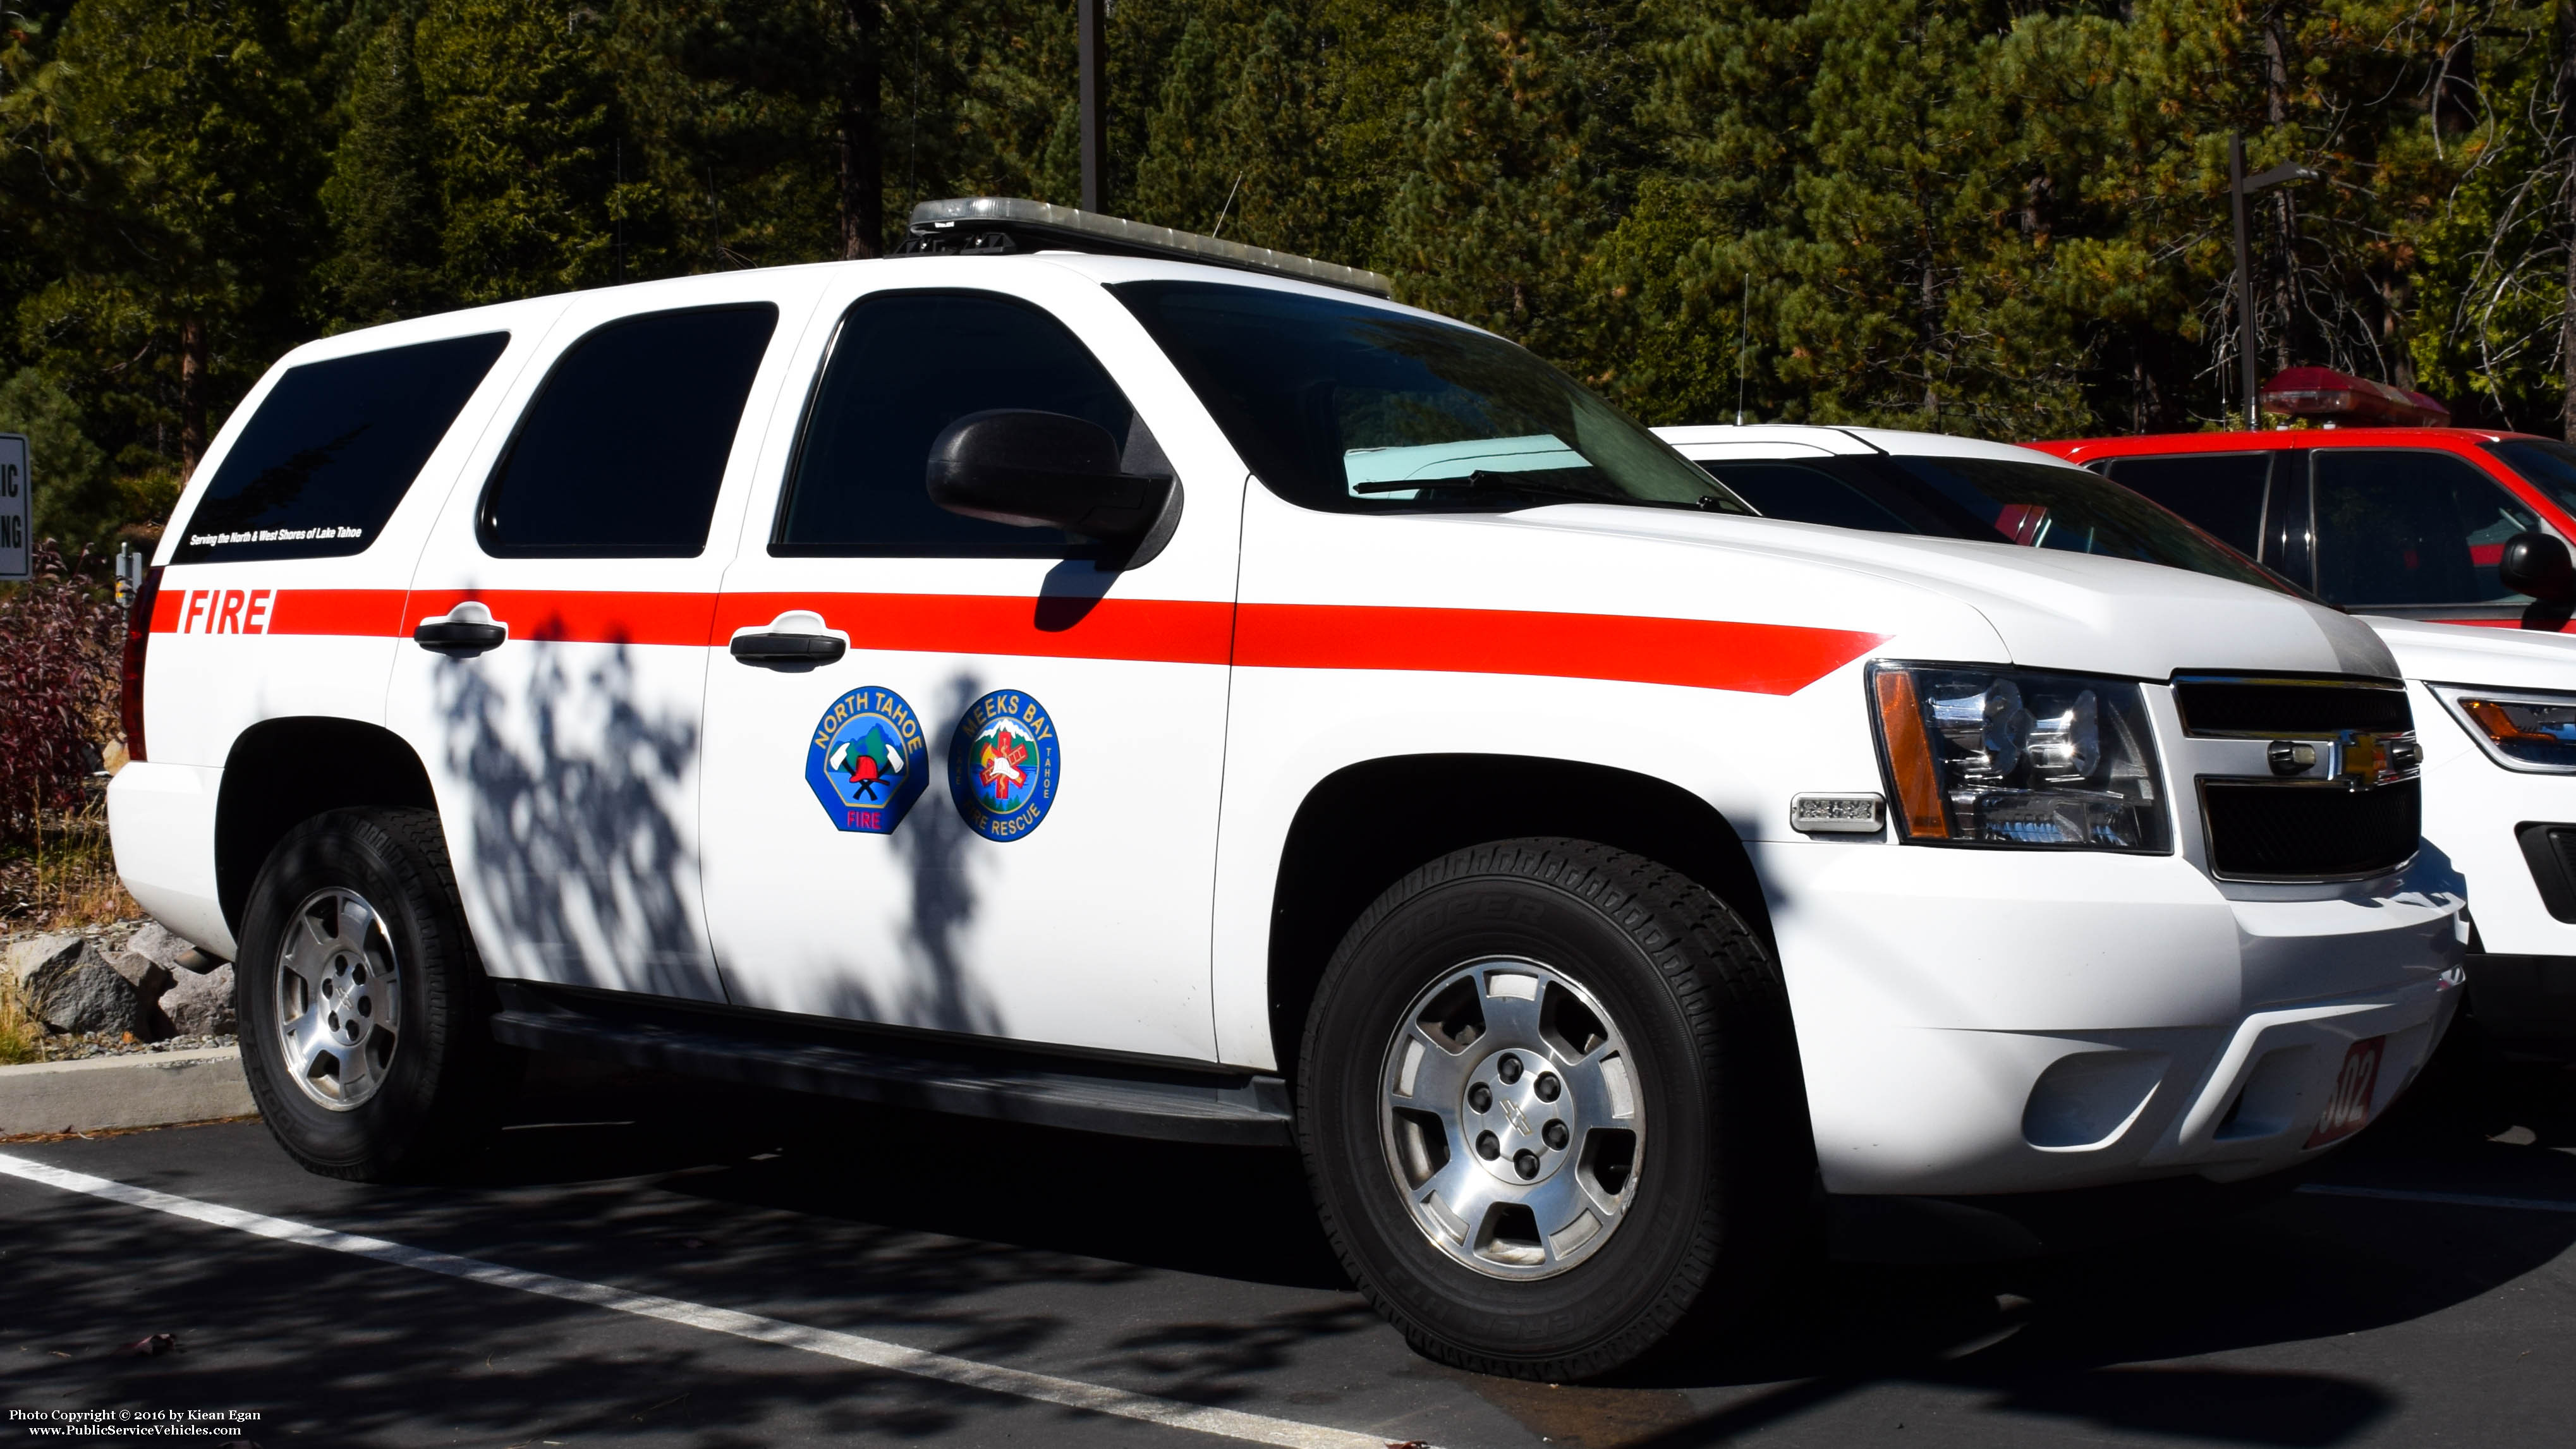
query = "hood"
{"x": 2503, "y": 658}
{"x": 2051, "y": 609}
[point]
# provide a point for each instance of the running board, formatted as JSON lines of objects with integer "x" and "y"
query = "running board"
{"x": 1226, "y": 1108}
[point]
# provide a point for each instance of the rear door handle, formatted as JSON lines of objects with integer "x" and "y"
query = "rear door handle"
{"x": 793, "y": 641}
{"x": 469, "y": 629}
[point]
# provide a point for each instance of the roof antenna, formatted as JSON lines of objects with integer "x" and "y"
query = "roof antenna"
{"x": 1229, "y": 205}
{"x": 1743, "y": 344}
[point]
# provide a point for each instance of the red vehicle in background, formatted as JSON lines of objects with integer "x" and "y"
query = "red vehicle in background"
{"x": 2409, "y": 521}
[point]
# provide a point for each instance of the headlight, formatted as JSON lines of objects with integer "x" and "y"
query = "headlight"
{"x": 2519, "y": 729}
{"x": 2009, "y": 757}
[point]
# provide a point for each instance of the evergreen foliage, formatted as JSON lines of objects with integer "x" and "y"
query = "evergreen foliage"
{"x": 2003, "y": 217}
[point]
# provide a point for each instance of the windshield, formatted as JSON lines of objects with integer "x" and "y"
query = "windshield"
{"x": 2547, "y": 466}
{"x": 1990, "y": 500}
{"x": 1341, "y": 405}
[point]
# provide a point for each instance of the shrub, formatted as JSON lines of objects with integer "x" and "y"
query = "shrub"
{"x": 61, "y": 646}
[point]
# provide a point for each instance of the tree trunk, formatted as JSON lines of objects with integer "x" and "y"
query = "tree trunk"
{"x": 192, "y": 395}
{"x": 861, "y": 134}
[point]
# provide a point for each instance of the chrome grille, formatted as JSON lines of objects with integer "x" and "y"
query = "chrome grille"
{"x": 2320, "y": 783}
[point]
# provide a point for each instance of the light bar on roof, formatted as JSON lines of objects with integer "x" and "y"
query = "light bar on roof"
{"x": 1003, "y": 224}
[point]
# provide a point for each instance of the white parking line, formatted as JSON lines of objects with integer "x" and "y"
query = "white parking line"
{"x": 874, "y": 1353}
{"x": 2448, "y": 1199}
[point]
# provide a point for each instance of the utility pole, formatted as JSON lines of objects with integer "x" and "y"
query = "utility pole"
{"x": 2239, "y": 187}
{"x": 1091, "y": 20}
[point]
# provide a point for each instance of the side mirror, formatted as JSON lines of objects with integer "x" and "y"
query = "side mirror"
{"x": 2538, "y": 564}
{"x": 1047, "y": 470}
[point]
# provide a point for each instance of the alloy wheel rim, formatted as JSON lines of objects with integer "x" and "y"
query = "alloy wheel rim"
{"x": 338, "y": 999}
{"x": 1512, "y": 1118}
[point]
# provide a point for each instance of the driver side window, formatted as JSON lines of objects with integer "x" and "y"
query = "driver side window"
{"x": 904, "y": 366}
{"x": 2402, "y": 527}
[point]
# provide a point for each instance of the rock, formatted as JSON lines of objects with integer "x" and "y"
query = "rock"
{"x": 91, "y": 997}
{"x": 202, "y": 1005}
{"x": 159, "y": 943}
{"x": 34, "y": 965}
{"x": 148, "y": 977}
{"x": 65, "y": 983}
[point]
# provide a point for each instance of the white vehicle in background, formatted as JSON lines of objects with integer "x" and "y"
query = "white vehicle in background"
{"x": 2495, "y": 707}
{"x": 1102, "y": 677}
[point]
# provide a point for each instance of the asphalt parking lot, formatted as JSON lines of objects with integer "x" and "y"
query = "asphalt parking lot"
{"x": 659, "y": 1263}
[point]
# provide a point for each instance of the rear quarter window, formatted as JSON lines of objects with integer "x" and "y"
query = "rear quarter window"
{"x": 331, "y": 451}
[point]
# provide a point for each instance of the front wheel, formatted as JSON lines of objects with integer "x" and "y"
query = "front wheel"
{"x": 1548, "y": 1100}
{"x": 363, "y": 1004}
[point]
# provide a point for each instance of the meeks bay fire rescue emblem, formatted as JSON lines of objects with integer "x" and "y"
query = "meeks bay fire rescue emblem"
{"x": 865, "y": 760}
{"x": 1002, "y": 765}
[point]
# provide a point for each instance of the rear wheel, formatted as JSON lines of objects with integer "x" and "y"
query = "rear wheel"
{"x": 363, "y": 1004}
{"x": 1548, "y": 1101}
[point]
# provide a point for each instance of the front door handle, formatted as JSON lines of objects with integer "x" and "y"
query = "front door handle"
{"x": 788, "y": 651}
{"x": 467, "y": 630}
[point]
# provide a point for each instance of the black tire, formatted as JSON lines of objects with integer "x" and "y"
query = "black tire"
{"x": 1727, "y": 1163}
{"x": 441, "y": 1081}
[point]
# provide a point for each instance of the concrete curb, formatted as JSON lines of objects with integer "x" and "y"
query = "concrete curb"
{"x": 145, "y": 1089}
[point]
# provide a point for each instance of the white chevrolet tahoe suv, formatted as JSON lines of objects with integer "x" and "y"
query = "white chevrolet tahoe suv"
{"x": 2498, "y": 705}
{"x": 1099, "y": 677}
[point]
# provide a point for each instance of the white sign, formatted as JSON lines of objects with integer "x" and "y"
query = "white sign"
{"x": 17, "y": 509}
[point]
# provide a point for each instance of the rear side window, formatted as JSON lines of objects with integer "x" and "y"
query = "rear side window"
{"x": 331, "y": 451}
{"x": 2397, "y": 527}
{"x": 903, "y": 367}
{"x": 2222, "y": 492}
{"x": 623, "y": 449}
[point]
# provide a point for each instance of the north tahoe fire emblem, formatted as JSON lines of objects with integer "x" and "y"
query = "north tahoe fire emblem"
{"x": 863, "y": 760}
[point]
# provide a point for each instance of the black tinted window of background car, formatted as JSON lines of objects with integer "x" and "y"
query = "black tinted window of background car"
{"x": 331, "y": 451}
{"x": 1346, "y": 406}
{"x": 1829, "y": 492}
{"x": 903, "y": 367}
{"x": 2401, "y": 527}
{"x": 2546, "y": 465}
{"x": 624, "y": 448}
{"x": 2222, "y": 492}
{"x": 1986, "y": 500}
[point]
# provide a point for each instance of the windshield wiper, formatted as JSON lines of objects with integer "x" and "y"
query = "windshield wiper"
{"x": 1488, "y": 481}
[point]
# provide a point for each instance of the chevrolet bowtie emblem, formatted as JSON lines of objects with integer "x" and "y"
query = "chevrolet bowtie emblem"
{"x": 2364, "y": 759}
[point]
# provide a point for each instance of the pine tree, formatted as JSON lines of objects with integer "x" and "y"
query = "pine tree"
{"x": 1516, "y": 181}
{"x": 521, "y": 116}
{"x": 382, "y": 196}
{"x": 183, "y": 250}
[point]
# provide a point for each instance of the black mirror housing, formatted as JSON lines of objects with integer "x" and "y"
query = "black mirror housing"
{"x": 1045, "y": 470}
{"x": 2538, "y": 564}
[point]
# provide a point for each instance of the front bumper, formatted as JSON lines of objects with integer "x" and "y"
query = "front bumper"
{"x": 1989, "y": 1022}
